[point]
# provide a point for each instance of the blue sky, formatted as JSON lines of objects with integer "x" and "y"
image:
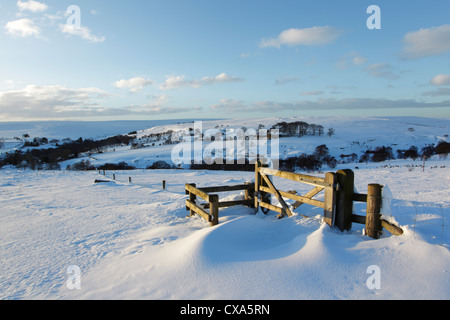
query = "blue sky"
{"x": 198, "y": 59}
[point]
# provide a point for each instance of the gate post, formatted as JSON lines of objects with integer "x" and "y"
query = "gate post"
{"x": 344, "y": 199}
{"x": 373, "y": 218}
{"x": 330, "y": 199}
{"x": 214, "y": 209}
{"x": 259, "y": 181}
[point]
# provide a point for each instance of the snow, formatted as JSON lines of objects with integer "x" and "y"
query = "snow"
{"x": 134, "y": 241}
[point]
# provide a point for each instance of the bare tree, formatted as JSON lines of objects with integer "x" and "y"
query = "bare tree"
{"x": 330, "y": 132}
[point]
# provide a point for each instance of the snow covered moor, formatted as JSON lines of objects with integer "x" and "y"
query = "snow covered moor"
{"x": 62, "y": 236}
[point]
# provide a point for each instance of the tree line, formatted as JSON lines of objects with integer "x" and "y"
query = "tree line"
{"x": 48, "y": 158}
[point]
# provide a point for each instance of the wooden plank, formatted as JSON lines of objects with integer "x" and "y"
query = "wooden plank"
{"x": 202, "y": 213}
{"x": 358, "y": 219}
{"x": 396, "y": 231}
{"x": 309, "y": 195}
{"x": 227, "y": 188}
{"x": 297, "y": 198}
{"x": 102, "y": 181}
{"x": 225, "y": 204}
{"x": 286, "y": 211}
{"x": 315, "y": 181}
{"x": 360, "y": 197}
{"x": 271, "y": 207}
{"x": 197, "y": 192}
{"x": 330, "y": 199}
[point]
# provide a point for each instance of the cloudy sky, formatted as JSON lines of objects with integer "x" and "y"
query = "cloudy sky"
{"x": 197, "y": 59}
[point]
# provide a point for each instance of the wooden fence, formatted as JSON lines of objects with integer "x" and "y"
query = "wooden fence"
{"x": 337, "y": 202}
{"x": 212, "y": 200}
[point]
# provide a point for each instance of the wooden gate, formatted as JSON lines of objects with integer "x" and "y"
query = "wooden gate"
{"x": 264, "y": 187}
{"x": 338, "y": 199}
{"x": 337, "y": 204}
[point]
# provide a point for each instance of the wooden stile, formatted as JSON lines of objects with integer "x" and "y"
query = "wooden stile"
{"x": 213, "y": 203}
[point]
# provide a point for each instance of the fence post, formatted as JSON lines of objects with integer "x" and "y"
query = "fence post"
{"x": 214, "y": 209}
{"x": 164, "y": 184}
{"x": 330, "y": 200}
{"x": 344, "y": 199}
{"x": 373, "y": 218}
{"x": 192, "y": 198}
{"x": 257, "y": 182}
{"x": 250, "y": 193}
{"x": 264, "y": 196}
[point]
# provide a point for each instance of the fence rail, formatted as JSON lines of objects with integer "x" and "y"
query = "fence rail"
{"x": 212, "y": 200}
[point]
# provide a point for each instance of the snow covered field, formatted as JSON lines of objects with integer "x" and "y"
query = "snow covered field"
{"x": 133, "y": 241}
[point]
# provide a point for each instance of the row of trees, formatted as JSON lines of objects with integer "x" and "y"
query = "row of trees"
{"x": 301, "y": 128}
{"x": 43, "y": 158}
{"x": 383, "y": 153}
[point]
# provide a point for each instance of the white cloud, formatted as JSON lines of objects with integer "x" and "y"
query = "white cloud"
{"x": 438, "y": 92}
{"x": 134, "y": 84}
{"x": 230, "y": 105}
{"x": 173, "y": 82}
{"x": 307, "y": 37}
{"x": 441, "y": 80}
{"x": 221, "y": 78}
{"x": 358, "y": 60}
{"x": 158, "y": 104}
{"x": 427, "y": 42}
{"x": 325, "y": 104}
{"x": 353, "y": 58}
{"x": 58, "y": 102}
{"x": 22, "y": 28}
{"x": 49, "y": 102}
{"x": 33, "y": 6}
{"x": 287, "y": 80}
{"x": 83, "y": 32}
{"x": 381, "y": 70}
{"x": 312, "y": 93}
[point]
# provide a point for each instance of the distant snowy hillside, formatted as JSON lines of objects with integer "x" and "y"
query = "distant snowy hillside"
{"x": 352, "y": 137}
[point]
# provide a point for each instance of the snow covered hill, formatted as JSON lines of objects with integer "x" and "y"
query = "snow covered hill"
{"x": 352, "y": 137}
